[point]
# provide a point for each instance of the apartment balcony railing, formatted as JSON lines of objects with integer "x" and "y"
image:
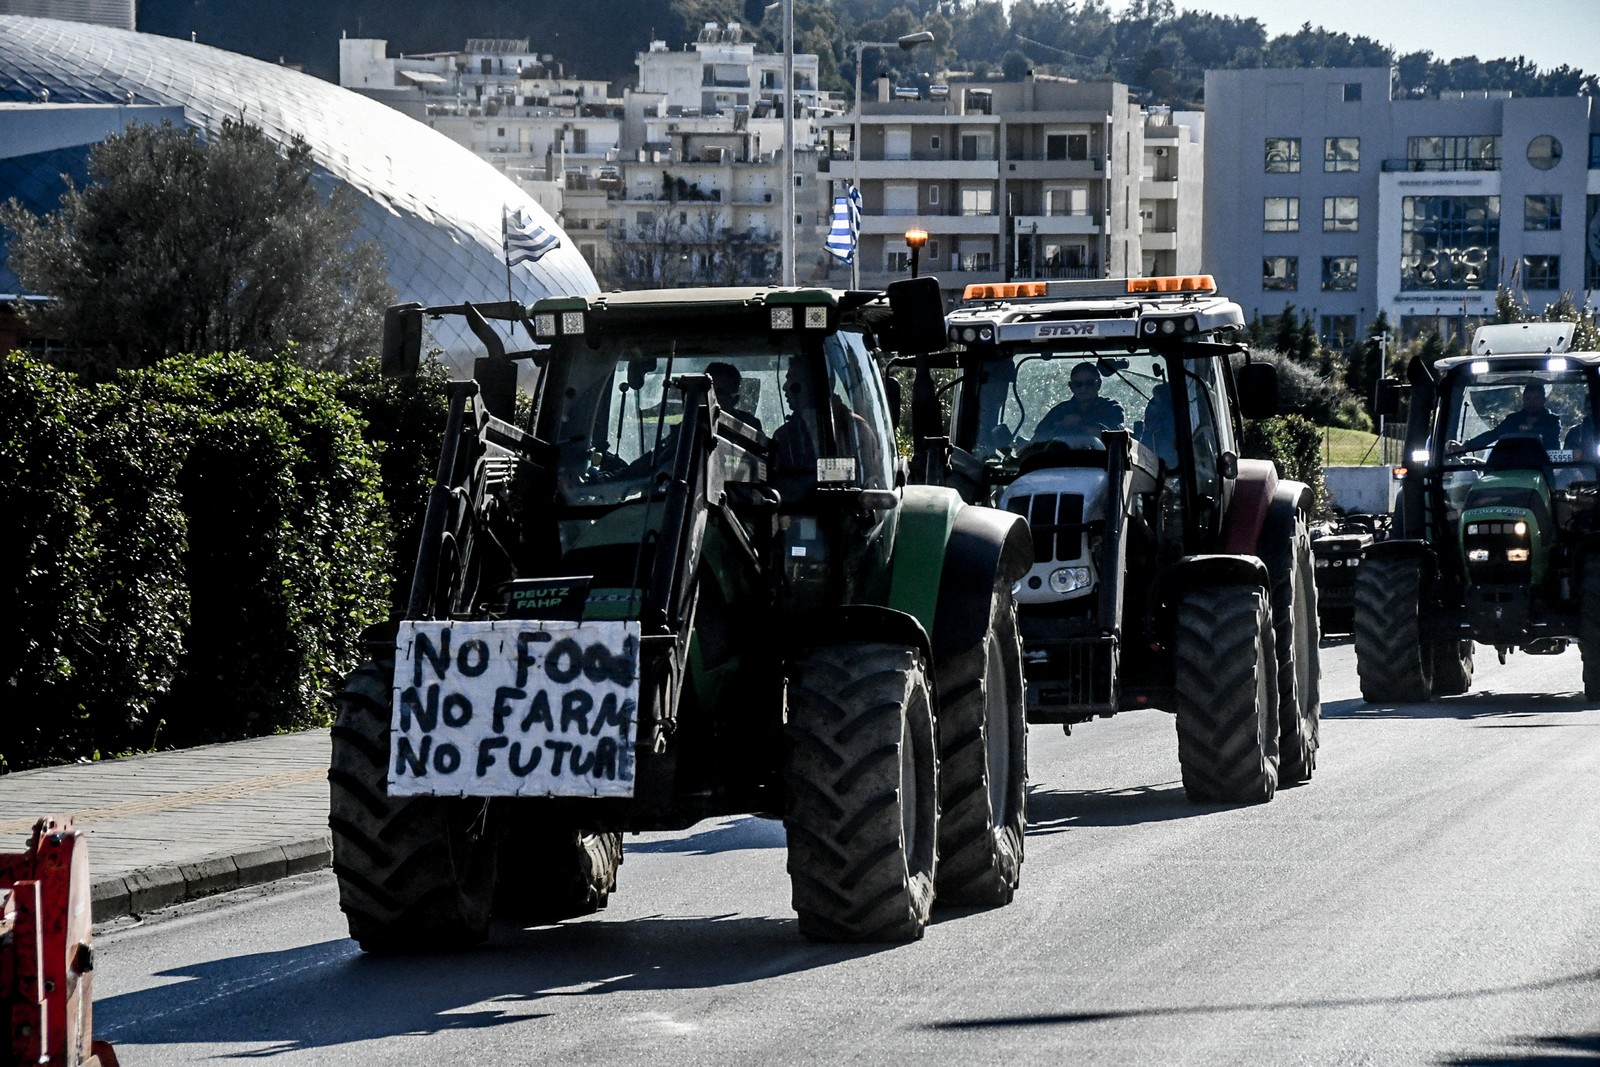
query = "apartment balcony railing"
{"x": 1046, "y": 271}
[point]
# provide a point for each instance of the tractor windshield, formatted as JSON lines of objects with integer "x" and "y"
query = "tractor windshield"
{"x": 618, "y": 411}
{"x": 1546, "y": 410}
{"x": 1040, "y": 395}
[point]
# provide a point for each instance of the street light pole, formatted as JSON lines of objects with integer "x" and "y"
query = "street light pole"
{"x": 788, "y": 142}
{"x": 907, "y": 43}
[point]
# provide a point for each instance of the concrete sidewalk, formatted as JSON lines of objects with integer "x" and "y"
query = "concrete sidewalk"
{"x": 170, "y": 826}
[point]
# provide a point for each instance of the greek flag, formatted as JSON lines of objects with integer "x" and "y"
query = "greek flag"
{"x": 842, "y": 235}
{"x": 525, "y": 240}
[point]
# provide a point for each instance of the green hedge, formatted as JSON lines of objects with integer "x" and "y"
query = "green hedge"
{"x": 1295, "y": 445}
{"x": 204, "y": 540}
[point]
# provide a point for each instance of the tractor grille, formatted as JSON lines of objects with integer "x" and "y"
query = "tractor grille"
{"x": 1068, "y": 680}
{"x": 1056, "y": 520}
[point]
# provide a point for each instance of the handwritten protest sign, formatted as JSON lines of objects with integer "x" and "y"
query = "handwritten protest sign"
{"x": 513, "y": 707}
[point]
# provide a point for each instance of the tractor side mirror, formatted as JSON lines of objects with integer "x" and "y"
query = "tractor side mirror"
{"x": 1386, "y": 397}
{"x": 401, "y": 350}
{"x": 918, "y": 313}
{"x": 1258, "y": 390}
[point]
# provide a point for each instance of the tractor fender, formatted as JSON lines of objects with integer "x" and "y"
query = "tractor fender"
{"x": 986, "y": 547}
{"x": 868, "y": 622}
{"x": 1200, "y": 572}
{"x": 1254, "y": 489}
{"x": 1277, "y": 530}
{"x": 1407, "y": 548}
{"x": 927, "y": 519}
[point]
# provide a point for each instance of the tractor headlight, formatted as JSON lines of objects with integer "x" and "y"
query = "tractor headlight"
{"x": 544, "y": 325}
{"x": 1478, "y": 555}
{"x": 1516, "y": 555}
{"x": 1065, "y": 580}
{"x": 783, "y": 318}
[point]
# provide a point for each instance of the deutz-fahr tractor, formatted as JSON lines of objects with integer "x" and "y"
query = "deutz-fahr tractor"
{"x": 691, "y": 582}
{"x": 1169, "y": 573}
{"x": 1496, "y": 536}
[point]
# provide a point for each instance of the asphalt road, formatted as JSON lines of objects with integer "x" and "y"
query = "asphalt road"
{"x": 1432, "y": 897}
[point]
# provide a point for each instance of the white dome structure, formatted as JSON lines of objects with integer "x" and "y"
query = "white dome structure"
{"x": 432, "y": 206}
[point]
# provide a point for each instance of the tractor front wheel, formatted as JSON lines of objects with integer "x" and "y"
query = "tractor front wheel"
{"x": 1225, "y": 672}
{"x": 1297, "y": 637}
{"x": 1589, "y": 628}
{"x": 415, "y": 874}
{"x": 549, "y": 872}
{"x": 863, "y": 782}
{"x": 1452, "y": 667}
{"x": 1393, "y": 663}
{"x": 983, "y": 764}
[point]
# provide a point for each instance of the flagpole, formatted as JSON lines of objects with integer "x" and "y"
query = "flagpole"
{"x": 505, "y": 250}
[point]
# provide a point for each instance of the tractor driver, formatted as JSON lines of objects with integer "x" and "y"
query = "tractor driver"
{"x": 1086, "y": 411}
{"x": 1533, "y": 419}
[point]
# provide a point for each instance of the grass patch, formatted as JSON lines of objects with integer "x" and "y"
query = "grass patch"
{"x": 1349, "y": 448}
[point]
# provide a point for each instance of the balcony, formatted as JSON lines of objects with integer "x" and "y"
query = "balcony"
{"x": 1089, "y": 223}
{"x": 1055, "y": 272}
{"x": 936, "y": 224}
{"x": 1025, "y": 168}
{"x": 941, "y": 170}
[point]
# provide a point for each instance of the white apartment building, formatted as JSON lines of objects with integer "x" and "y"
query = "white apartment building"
{"x": 721, "y": 72}
{"x": 1043, "y": 178}
{"x": 1325, "y": 191}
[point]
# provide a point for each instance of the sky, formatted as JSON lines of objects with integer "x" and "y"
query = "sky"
{"x": 1548, "y": 32}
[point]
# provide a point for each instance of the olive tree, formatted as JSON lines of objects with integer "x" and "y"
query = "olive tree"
{"x": 183, "y": 244}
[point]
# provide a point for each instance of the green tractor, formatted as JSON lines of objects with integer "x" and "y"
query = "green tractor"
{"x": 691, "y": 582}
{"x": 1496, "y": 538}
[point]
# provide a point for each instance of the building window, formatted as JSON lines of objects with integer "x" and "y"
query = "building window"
{"x": 1541, "y": 272}
{"x": 977, "y": 201}
{"x": 1544, "y": 152}
{"x": 1283, "y": 155}
{"x": 933, "y": 195}
{"x": 1449, "y": 242}
{"x": 1341, "y": 214}
{"x": 977, "y": 146}
{"x": 1352, "y": 92}
{"x": 896, "y": 261}
{"x": 1282, "y": 214}
{"x": 1280, "y": 272}
{"x": 1339, "y": 331}
{"x": 1341, "y": 155}
{"x": 935, "y": 142}
{"x": 933, "y": 250}
{"x": 1453, "y": 153}
{"x": 1338, "y": 274}
{"x": 1541, "y": 213}
{"x": 1594, "y": 151}
{"x": 1073, "y": 146}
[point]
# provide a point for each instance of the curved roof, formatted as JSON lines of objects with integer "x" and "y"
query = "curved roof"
{"x": 433, "y": 206}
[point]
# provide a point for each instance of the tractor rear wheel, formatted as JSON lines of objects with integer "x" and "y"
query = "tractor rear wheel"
{"x": 550, "y": 872}
{"x": 863, "y": 782}
{"x": 415, "y": 874}
{"x": 1394, "y": 664}
{"x": 983, "y": 764}
{"x": 1297, "y": 637}
{"x": 1589, "y": 628}
{"x": 1452, "y": 667}
{"x": 1225, "y": 672}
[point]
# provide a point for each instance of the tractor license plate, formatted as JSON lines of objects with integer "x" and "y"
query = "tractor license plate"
{"x": 514, "y": 707}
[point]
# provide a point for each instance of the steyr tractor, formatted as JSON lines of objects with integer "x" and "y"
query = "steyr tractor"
{"x": 1168, "y": 572}
{"x": 691, "y": 582}
{"x": 1496, "y": 537}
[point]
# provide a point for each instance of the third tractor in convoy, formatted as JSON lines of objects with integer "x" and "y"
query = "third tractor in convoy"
{"x": 1496, "y": 538}
{"x": 1168, "y": 571}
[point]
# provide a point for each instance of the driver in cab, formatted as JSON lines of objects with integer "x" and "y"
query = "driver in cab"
{"x": 1532, "y": 419}
{"x": 1085, "y": 412}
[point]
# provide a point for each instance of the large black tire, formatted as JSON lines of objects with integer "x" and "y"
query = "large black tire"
{"x": 1452, "y": 667}
{"x": 1393, "y": 663}
{"x": 983, "y": 765}
{"x": 863, "y": 780}
{"x": 416, "y": 874}
{"x": 1298, "y": 638}
{"x": 1225, "y": 672}
{"x": 1589, "y": 628}
{"x": 550, "y": 872}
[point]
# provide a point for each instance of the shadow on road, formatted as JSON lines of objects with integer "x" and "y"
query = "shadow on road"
{"x": 1051, "y": 811}
{"x": 1077, "y": 1018}
{"x": 1527, "y": 1051}
{"x": 330, "y": 994}
{"x": 1483, "y": 705}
